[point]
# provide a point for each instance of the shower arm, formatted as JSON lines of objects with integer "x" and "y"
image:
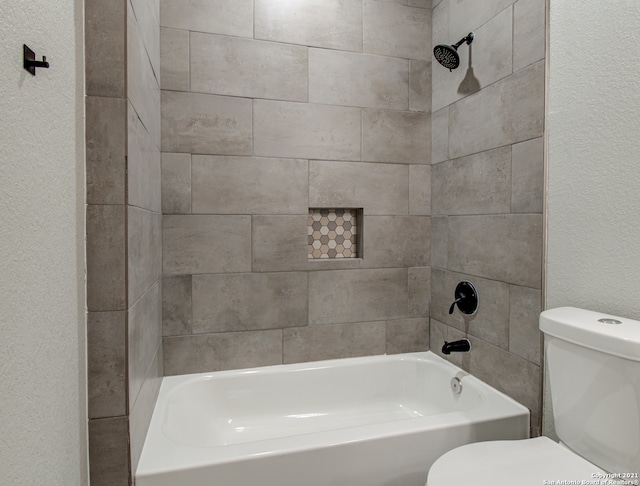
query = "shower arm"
{"x": 468, "y": 39}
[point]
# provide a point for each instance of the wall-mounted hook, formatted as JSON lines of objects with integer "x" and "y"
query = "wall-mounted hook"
{"x": 30, "y": 63}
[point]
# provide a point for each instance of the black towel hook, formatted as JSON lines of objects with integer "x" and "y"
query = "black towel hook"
{"x": 30, "y": 63}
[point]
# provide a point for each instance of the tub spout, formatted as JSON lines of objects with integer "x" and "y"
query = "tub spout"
{"x": 462, "y": 346}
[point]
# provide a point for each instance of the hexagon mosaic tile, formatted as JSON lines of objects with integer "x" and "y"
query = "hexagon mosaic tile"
{"x": 333, "y": 233}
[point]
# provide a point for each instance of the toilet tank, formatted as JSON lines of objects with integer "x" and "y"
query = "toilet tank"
{"x": 593, "y": 368}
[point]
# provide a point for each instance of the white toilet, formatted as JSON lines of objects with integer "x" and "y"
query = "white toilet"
{"x": 593, "y": 363}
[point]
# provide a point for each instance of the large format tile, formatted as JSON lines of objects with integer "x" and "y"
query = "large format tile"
{"x": 490, "y": 322}
{"x": 529, "y": 35}
{"x": 174, "y": 59}
{"x": 285, "y": 129}
{"x": 229, "y": 17}
{"x": 194, "y": 244}
{"x": 507, "y": 112}
{"x": 466, "y": 15}
{"x": 357, "y": 295}
{"x": 109, "y": 451}
{"x": 221, "y": 351}
{"x": 396, "y": 136}
{"x": 396, "y": 241}
{"x": 245, "y": 67}
{"x": 245, "y": 302}
{"x": 352, "y": 79}
{"x": 502, "y": 247}
{"x": 407, "y": 335}
{"x": 245, "y": 185}
{"x": 377, "y": 188}
{"x": 420, "y": 190}
{"x": 147, "y": 16}
{"x": 477, "y": 184}
{"x": 279, "y": 243}
{"x": 524, "y": 335}
{"x": 397, "y": 30}
{"x": 527, "y": 176}
{"x": 144, "y": 248}
{"x": 440, "y": 135}
{"x": 419, "y": 291}
{"x": 420, "y": 86}
{"x": 144, "y": 170}
{"x": 106, "y": 258}
{"x": 333, "y": 24}
{"x": 106, "y": 364}
{"x": 176, "y": 305}
{"x": 176, "y": 183}
{"x": 105, "y": 48}
{"x": 106, "y": 149}
{"x": 206, "y": 124}
{"x": 439, "y": 242}
{"x": 438, "y": 335}
{"x": 333, "y": 341}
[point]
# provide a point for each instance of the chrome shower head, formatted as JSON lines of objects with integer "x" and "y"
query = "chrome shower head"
{"x": 448, "y": 55}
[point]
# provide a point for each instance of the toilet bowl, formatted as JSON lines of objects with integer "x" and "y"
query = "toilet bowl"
{"x": 593, "y": 364}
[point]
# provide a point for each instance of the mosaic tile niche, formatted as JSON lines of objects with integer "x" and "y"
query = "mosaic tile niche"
{"x": 333, "y": 233}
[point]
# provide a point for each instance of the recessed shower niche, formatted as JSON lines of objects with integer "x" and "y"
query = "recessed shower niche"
{"x": 334, "y": 233}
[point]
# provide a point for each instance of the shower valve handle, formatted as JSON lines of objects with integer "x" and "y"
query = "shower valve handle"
{"x": 453, "y": 306}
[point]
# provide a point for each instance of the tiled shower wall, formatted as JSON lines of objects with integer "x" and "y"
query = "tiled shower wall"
{"x": 487, "y": 189}
{"x": 269, "y": 108}
{"x": 124, "y": 256}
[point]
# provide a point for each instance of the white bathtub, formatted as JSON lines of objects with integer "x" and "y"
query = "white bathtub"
{"x": 375, "y": 421}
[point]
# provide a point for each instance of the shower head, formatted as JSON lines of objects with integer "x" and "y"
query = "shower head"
{"x": 448, "y": 55}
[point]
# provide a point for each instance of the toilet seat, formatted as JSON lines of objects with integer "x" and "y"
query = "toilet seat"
{"x": 528, "y": 462}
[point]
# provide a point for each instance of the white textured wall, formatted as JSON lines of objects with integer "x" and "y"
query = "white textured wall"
{"x": 593, "y": 198}
{"x": 42, "y": 330}
{"x": 594, "y": 156}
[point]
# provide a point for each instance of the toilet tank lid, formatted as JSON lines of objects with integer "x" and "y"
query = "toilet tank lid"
{"x": 617, "y": 336}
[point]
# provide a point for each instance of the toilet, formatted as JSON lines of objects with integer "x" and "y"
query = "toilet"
{"x": 593, "y": 364}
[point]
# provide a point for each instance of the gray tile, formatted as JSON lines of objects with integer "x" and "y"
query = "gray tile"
{"x": 142, "y": 410}
{"x": 176, "y": 183}
{"x": 509, "y": 111}
{"x": 477, "y": 184}
{"x": 527, "y": 179}
{"x": 487, "y": 60}
{"x": 524, "y": 335}
{"x": 419, "y": 291}
{"x": 174, "y": 59}
{"x": 106, "y": 144}
{"x": 176, "y": 305}
{"x": 105, "y": 48}
{"x": 247, "y": 302}
{"x": 206, "y": 244}
{"x": 468, "y": 15}
{"x": 419, "y": 3}
{"x": 147, "y": 15}
{"x": 222, "y": 351}
{"x": 144, "y": 172}
{"x": 439, "y": 242}
{"x": 356, "y": 295}
{"x": 245, "y": 185}
{"x": 420, "y": 190}
{"x": 491, "y": 321}
{"x": 407, "y": 335}
{"x": 279, "y": 243}
{"x": 420, "y": 86}
{"x": 353, "y": 79}
{"x": 144, "y": 251}
{"x": 505, "y": 247}
{"x": 396, "y": 30}
{"x": 106, "y": 258}
{"x": 396, "y": 136}
{"x": 396, "y": 241}
{"x": 143, "y": 88}
{"x": 437, "y": 336}
{"x": 334, "y": 24}
{"x": 333, "y": 341}
{"x": 206, "y": 124}
{"x": 529, "y": 35}
{"x": 144, "y": 338}
{"x": 230, "y": 17}
{"x": 245, "y": 67}
{"x": 381, "y": 189}
{"x": 106, "y": 364}
{"x": 284, "y": 129}
{"x": 109, "y": 451}
{"x": 461, "y": 360}
{"x": 440, "y": 135}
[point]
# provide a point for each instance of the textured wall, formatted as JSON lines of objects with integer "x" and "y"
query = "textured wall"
{"x": 592, "y": 203}
{"x": 270, "y": 108}
{"x": 487, "y": 189}
{"x": 42, "y": 320}
{"x": 124, "y": 256}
